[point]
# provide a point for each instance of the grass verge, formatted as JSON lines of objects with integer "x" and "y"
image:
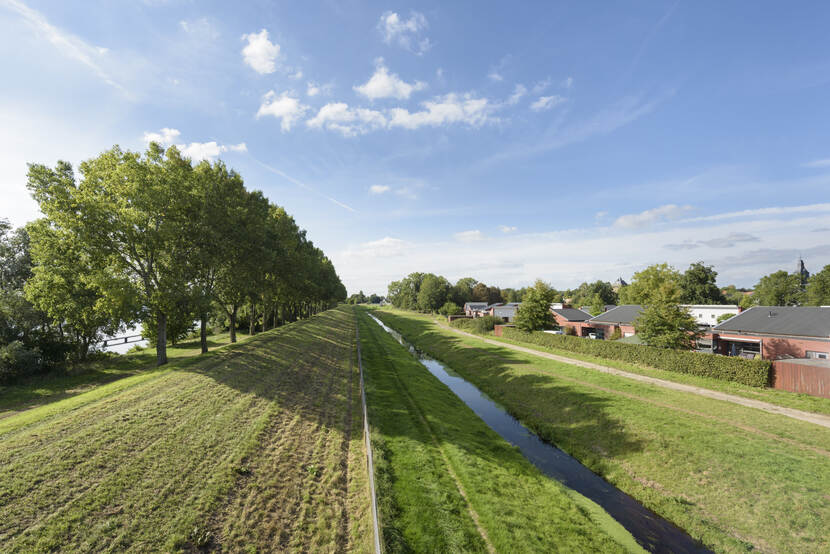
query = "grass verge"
{"x": 245, "y": 449}
{"x": 448, "y": 483}
{"x": 733, "y": 477}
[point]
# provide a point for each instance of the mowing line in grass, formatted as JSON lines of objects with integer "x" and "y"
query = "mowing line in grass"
{"x": 369, "y": 460}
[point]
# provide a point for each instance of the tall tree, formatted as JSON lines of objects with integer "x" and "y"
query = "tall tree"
{"x": 654, "y": 283}
{"x": 818, "y": 289}
{"x": 698, "y": 285}
{"x": 667, "y": 325}
{"x": 433, "y": 293}
{"x": 129, "y": 214}
{"x": 534, "y": 312}
{"x": 779, "y": 289}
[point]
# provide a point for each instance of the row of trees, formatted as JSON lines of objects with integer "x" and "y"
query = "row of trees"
{"x": 152, "y": 238}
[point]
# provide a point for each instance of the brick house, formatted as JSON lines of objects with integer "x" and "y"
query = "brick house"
{"x": 621, "y": 317}
{"x": 775, "y": 333}
{"x": 505, "y": 312}
{"x": 571, "y": 317}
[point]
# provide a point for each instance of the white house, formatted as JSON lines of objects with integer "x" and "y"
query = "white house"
{"x": 708, "y": 314}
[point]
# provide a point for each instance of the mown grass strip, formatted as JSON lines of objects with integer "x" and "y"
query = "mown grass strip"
{"x": 420, "y": 504}
{"x": 733, "y": 477}
{"x": 147, "y": 465}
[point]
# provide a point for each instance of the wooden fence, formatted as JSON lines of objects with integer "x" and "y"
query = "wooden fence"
{"x": 806, "y": 376}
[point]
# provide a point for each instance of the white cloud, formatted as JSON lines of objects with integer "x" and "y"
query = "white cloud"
{"x": 386, "y": 247}
{"x": 777, "y": 210}
{"x": 383, "y": 84}
{"x": 469, "y": 236}
{"x": 405, "y": 32}
{"x": 571, "y": 256}
{"x": 568, "y": 83}
{"x": 197, "y": 151}
{"x": 284, "y": 107}
{"x": 495, "y": 76}
{"x": 507, "y": 229}
{"x": 340, "y": 117}
{"x": 260, "y": 53}
{"x": 164, "y": 137}
{"x": 312, "y": 90}
{"x": 450, "y": 108}
{"x": 547, "y": 102}
{"x": 540, "y": 86}
{"x": 66, "y": 43}
{"x": 297, "y": 74}
{"x": 379, "y": 189}
{"x": 199, "y": 28}
{"x": 518, "y": 92}
{"x": 818, "y": 163}
{"x": 315, "y": 89}
{"x": 600, "y": 215}
{"x": 647, "y": 217}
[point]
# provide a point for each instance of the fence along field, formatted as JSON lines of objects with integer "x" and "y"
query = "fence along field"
{"x": 257, "y": 446}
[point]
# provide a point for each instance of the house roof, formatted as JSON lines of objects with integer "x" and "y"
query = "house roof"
{"x": 621, "y": 314}
{"x": 572, "y": 314}
{"x": 475, "y": 305}
{"x": 806, "y": 321}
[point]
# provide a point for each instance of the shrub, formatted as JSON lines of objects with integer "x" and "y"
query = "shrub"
{"x": 616, "y": 335}
{"x": 570, "y": 331}
{"x": 18, "y": 361}
{"x": 485, "y": 324}
{"x": 748, "y": 372}
{"x": 450, "y": 308}
{"x": 463, "y": 323}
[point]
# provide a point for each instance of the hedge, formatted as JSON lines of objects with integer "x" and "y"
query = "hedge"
{"x": 755, "y": 373}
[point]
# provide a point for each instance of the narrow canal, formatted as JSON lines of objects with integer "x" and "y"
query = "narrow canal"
{"x": 651, "y": 531}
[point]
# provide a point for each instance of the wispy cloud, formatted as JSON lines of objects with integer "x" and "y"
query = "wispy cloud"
{"x": 285, "y": 107}
{"x": 818, "y": 163}
{"x": 518, "y": 93}
{"x": 648, "y": 217}
{"x": 379, "y": 189}
{"x": 448, "y": 109}
{"x": 547, "y": 102}
{"x": 66, "y": 43}
{"x": 507, "y": 229}
{"x": 406, "y": 33}
{"x": 196, "y": 151}
{"x": 469, "y": 236}
{"x": 303, "y": 185}
{"x": 347, "y": 121}
{"x": 386, "y": 247}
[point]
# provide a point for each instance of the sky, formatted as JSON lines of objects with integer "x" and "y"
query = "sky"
{"x": 502, "y": 141}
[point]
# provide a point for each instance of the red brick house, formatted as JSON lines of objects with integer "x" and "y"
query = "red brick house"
{"x": 775, "y": 333}
{"x": 621, "y": 317}
{"x": 571, "y": 317}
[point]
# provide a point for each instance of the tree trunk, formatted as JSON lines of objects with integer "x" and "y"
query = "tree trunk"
{"x": 233, "y": 323}
{"x": 161, "y": 340}
{"x": 264, "y": 317}
{"x": 203, "y": 333}
{"x": 252, "y": 326}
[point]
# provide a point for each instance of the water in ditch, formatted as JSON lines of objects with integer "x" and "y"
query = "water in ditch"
{"x": 651, "y": 531}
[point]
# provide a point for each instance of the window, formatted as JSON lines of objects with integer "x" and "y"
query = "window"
{"x": 818, "y": 355}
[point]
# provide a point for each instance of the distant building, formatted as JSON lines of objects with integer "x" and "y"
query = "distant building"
{"x": 618, "y": 284}
{"x": 706, "y": 315}
{"x": 471, "y": 309}
{"x": 571, "y": 317}
{"x": 506, "y": 312}
{"x": 621, "y": 317}
{"x": 802, "y": 273}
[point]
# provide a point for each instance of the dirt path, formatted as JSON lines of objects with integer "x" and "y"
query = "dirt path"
{"x": 817, "y": 419}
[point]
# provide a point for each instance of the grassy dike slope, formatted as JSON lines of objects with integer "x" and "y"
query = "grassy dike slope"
{"x": 736, "y": 478}
{"x": 448, "y": 483}
{"x": 255, "y": 447}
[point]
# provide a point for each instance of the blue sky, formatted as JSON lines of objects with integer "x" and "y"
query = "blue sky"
{"x": 505, "y": 142}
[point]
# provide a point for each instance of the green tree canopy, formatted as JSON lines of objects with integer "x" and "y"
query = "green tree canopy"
{"x": 534, "y": 312}
{"x": 698, "y": 285}
{"x": 778, "y": 289}
{"x": 818, "y": 289}
{"x": 433, "y": 293}
{"x": 656, "y": 283}
{"x": 667, "y": 325}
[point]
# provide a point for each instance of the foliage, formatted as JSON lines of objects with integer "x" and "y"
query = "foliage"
{"x": 462, "y": 291}
{"x": 450, "y": 308}
{"x": 597, "y": 305}
{"x": 724, "y": 317}
{"x": 698, "y": 285}
{"x": 667, "y": 325}
{"x": 534, "y": 312}
{"x": 485, "y": 324}
{"x": 818, "y": 289}
{"x": 357, "y": 298}
{"x": 779, "y": 289}
{"x": 659, "y": 282}
{"x": 734, "y": 295}
{"x": 433, "y": 293}
{"x": 616, "y": 335}
{"x": 748, "y": 372}
{"x": 587, "y": 293}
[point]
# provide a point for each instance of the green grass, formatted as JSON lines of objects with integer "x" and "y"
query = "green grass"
{"x": 41, "y": 389}
{"x": 778, "y": 397}
{"x": 733, "y": 477}
{"x": 427, "y": 442}
{"x": 247, "y": 448}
